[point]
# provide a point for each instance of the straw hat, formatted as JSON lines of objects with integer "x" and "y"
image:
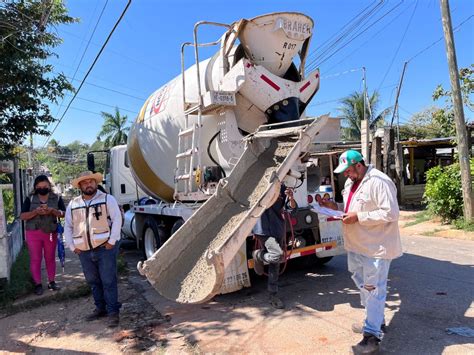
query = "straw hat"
{"x": 86, "y": 175}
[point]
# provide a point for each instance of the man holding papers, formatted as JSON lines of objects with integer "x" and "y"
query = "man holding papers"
{"x": 371, "y": 238}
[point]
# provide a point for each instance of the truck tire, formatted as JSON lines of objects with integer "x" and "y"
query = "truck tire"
{"x": 152, "y": 238}
{"x": 308, "y": 261}
{"x": 322, "y": 261}
{"x": 177, "y": 225}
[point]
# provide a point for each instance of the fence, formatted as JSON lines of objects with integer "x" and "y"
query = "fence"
{"x": 11, "y": 239}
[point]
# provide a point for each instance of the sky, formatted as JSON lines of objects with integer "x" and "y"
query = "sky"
{"x": 144, "y": 52}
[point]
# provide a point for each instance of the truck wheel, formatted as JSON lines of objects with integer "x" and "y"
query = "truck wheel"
{"x": 322, "y": 261}
{"x": 152, "y": 238}
{"x": 308, "y": 261}
{"x": 177, "y": 225}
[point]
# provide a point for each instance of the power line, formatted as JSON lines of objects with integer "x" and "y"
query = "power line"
{"x": 106, "y": 88}
{"x": 104, "y": 104}
{"x": 85, "y": 50}
{"x": 440, "y": 39}
{"x": 375, "y": 35}
{"x": 350, "y": 40}
{"x": 118, "y": 53}
{"x": 91, "y": 67}
{"x": 358, "y": 20}
{"x": 399, "y": 45}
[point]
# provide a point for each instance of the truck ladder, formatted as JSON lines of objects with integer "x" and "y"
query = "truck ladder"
{"x": 188, "y": 159}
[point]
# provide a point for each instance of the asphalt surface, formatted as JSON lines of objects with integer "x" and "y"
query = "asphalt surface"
{"x": 431, "y": 288}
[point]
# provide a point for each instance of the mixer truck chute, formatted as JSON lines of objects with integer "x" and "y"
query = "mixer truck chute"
{"x": 212, "y": 147}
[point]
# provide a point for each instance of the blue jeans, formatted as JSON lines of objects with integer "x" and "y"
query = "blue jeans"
{"x": 370, "y": 276}
{"x": 100, "y": 269}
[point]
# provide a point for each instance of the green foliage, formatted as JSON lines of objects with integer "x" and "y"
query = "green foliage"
{"x": 420, "y": 217}
{"x": 20, "y": 280}
{"x": 27, "y": 36}
{"x": 445, "y": 117}
{"x": 114, "y": 129}
{"x": 443, "y": 193}
{"x": 423, "y": 125}
{"x": 64, "y": 162}
{"x": 352, "y": 111}
{"x": 461, "y": 223}
{"x": 8, "y": 205}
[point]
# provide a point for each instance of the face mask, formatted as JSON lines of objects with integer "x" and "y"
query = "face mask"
{"x": 42, "y": 191}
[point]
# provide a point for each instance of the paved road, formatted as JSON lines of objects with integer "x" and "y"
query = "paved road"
{"x": 431, "y": 288}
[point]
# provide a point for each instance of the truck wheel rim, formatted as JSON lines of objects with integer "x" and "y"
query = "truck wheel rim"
{"x": 150, "y": 243}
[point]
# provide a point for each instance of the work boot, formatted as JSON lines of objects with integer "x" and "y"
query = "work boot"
{"x": 359, "y": 328}
{"x": 53, "y": 286}
{"x": 113, "y": 320}
{"x": 96, "y": 314}
{"x": 276, "y": 302}
{"x": 258, "y": 266}
{"x": 368, "y": 345}
{"x": 39, "y": 289}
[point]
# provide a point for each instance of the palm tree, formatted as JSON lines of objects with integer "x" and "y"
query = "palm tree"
{"x": 114, "y": 129}
{"x": 352, "y": 111}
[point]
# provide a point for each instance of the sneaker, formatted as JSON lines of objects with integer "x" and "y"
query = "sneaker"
{"x": 359, "y": 328}
{"x": 276, "y": 302}
{"x": 368, "y": 345}
{"x": 258, "y": 266}
{"x": 38, "y": 289}
{"x": 96, "y": 314}
{"x": 113, "y": 320}
{"x": 53, "y": 286}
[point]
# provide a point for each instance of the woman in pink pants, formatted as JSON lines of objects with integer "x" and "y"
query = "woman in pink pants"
{"x": 41, "y": 211}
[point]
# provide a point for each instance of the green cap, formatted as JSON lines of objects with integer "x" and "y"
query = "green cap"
{"x": 348, "y": 158}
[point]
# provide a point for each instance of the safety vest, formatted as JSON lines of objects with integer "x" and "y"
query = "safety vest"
{"x": 90, "y": 221}
{"x": 46, "y": 224}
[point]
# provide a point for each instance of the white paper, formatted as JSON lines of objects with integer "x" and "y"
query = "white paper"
{"x": 327, "y": 211}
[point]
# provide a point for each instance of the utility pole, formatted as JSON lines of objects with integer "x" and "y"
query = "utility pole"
{"x": 461, "y": 132}
{"x": 395, "y": 107}
{"x": 364, "y": 124}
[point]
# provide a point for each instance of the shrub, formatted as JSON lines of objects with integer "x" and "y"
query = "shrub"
{"x": 443, "y": 193}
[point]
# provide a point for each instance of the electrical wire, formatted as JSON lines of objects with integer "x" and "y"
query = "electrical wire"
{"x": 351, "y": 27}
{"x": 399, "y": 46}
{"x": 351, "y": 39}
{"x": 85, "y": 50}
{"x": 371, "y": 38}
{"x": 90, "y": 69}
{"x": 440, "y": 39}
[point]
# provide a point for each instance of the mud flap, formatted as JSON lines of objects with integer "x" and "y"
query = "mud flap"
{"x": 190, "y": 267}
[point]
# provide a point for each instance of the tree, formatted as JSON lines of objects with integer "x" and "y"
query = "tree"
{"x": 444, "y": 117}
{"x": 352, "y": 111}
{"x": 422, "y": 125}
{"x": 27, "y": 37}
{"x": 114, "y": 129}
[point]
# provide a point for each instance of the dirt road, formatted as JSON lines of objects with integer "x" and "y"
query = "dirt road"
{"x": 430, "y": 289}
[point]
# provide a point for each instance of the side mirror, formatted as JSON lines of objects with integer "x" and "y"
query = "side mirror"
{"x": 90, "y": 162}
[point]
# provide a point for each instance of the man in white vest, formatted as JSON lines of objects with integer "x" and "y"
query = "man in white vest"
{"x": 371, "y": 238}
{"x": 92, "y": 230}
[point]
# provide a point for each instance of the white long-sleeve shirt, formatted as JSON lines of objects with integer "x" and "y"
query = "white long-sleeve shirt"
{"x": 376, "y": 234}
{"x": 113, "y": 211}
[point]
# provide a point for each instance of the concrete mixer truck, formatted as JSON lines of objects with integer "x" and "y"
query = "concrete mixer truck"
{"x": 211, "y": 148}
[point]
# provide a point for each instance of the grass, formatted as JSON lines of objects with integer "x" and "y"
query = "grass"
{"x": 20, "y": 280}
{"x": 122, "y": 266}
{"x": 21, "y": 284}
{"x": 463, "y": 225}
{"x": 431, "y": 233}
{"x": 420, "y": 217}
{"x": 82, "y": 290}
